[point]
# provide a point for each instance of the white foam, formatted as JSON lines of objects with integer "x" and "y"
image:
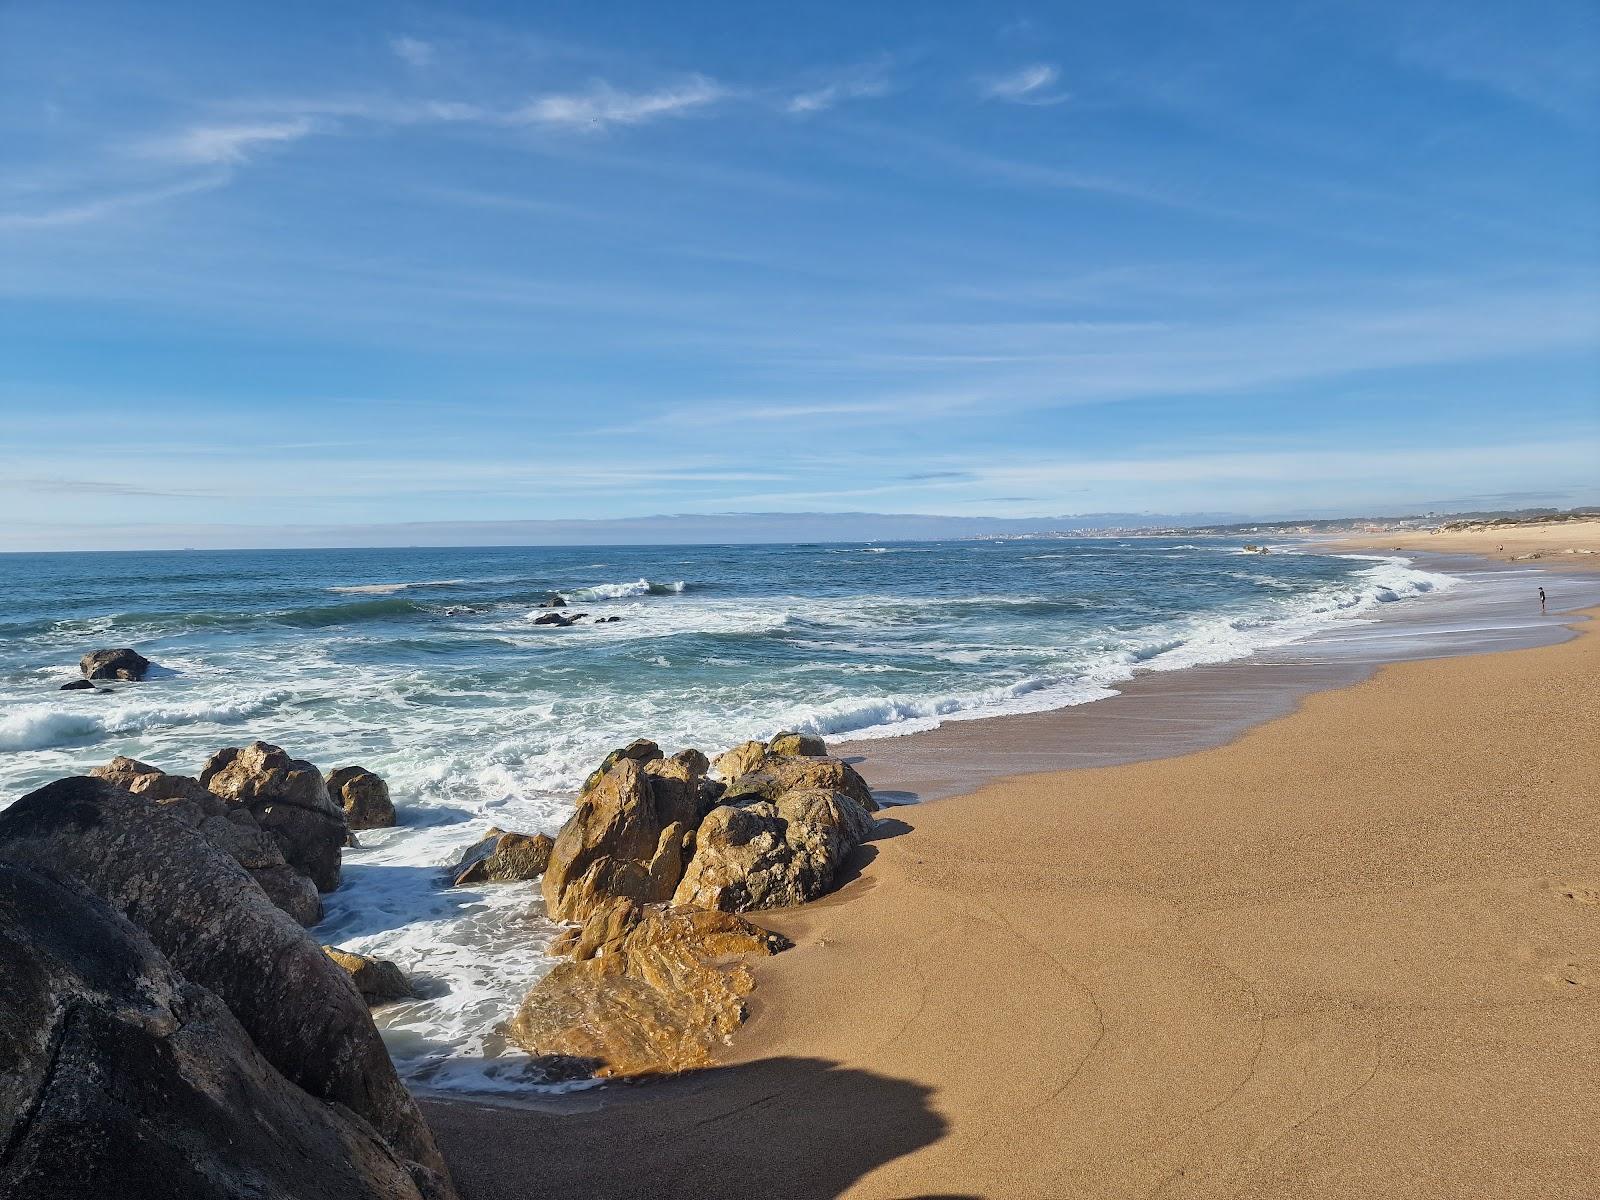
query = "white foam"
{"x": 87, "y": 716}
{"x": 388, "y": 589}
{"x": 623, "y": 591}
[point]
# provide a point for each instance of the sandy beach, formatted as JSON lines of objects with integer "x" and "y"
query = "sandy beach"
{"x": 1354, "y": 952}
{"x": 1556, "y": 545}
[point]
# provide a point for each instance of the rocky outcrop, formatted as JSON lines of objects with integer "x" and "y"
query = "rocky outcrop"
{"x": 503, "y": 857}
{"x": 120, "y": 1077}
{"x": 230, "y": 828}
{"x": 114, "y": 664}
{"x": 772, "y": 853}
{"x": 744, "y": 757}
{"x": 377, "y": 979}
{"x": 363, "y": 796}
{"x": 798, "y": 743}
{"x": 288, "y": 798}
{"x": 625, "y": 839}
{"x": 641, "y": 750}
{"x": 651, "y": 989}
{"x": 219, "y": 931}
{"x": 775, "y": 774}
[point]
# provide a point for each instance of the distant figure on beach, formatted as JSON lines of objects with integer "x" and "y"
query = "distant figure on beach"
{"x": 1541, "y": 600}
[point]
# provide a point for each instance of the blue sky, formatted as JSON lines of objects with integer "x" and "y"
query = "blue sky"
{"x": 270, "y": 267}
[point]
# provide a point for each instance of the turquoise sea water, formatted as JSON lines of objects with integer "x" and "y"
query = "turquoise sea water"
{"x": 426, "y": 666}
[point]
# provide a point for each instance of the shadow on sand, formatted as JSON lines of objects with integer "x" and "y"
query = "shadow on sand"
{"x": 796, "y": 1128}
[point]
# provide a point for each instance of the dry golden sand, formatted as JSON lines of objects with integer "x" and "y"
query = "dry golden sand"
{"x": 1354, "y": 953}
{"x": 1561, "y": 545}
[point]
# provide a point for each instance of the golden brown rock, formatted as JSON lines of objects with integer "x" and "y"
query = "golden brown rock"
{"x": 659, "y": 988}
{"x": 742, "y": 759}
{"x": 377, "y": 979}
{"x": 772, "y": 853}
{"x": 364, "y": 797}
{"x": 805, "y": 744}
{"x": 625, "y": 839}
{"x": 779, "y": 773}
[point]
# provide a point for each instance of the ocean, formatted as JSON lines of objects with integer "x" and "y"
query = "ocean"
{"x": 426, "y": 666}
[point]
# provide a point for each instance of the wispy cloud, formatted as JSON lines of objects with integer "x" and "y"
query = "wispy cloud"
{"x": 84, "y": 211}
{"x": 861, "y": 85}
{"x": 1032, "y": 84}
{"x": 412, "y": 50}
{"x": 603, "y": 105}
{"x": 224, "y": 144}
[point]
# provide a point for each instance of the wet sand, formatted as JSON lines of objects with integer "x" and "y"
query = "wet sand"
{"x": 1353, "y": 952}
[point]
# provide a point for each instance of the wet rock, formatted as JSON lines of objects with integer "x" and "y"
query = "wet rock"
{"x": 80, "y": 685}
{"x": 805, "y": 744}
{"x": 120, "y": 1077}
{"x": 363, "y": 796}
{"x": 652, "y": 989}
{"x": 503, "y": 857}
{"x": 219, "y": 931}
{"x": 560, "y": 620}
{"x": 625, "y": 839}
{"x": 779, "y": 773}
{"x": 289, "y": 799}
{"x": 114, "y": 664}
{"x": 759, "y": 853}
{"x": 377, "y": 979}
{"x": 232, "y": 829}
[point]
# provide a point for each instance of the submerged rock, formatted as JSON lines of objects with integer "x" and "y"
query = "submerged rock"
{"x": 114, "y": 664}
{"x": 363, "y": 796}
{"x": 81, "y": 685}
{"x": 377, "y": 979}
{"x": 120, "y": 1077}
{"x": 503, "y": 857}
{"x": 230, "y": 828}
{"x": 652, "y": 989}
{"x": 289, "y": 799}
{"x": 219, "y": 931}
{"x": 559, "y": 619}
{"x": 772, "y": 853}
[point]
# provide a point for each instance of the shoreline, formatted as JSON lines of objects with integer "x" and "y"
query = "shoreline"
{"x": 1164, "y": 714}
{"x": 901, "y": 997}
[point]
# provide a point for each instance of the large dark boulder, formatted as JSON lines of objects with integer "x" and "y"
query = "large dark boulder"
{"x": 289, "y": 799}
{"x": 120, "y": 1078}
{"x": 231, "y": 828}
{"x": 502, "y": 856}
{"x": 114, "y": 664}
{"x": 219, "y": 930}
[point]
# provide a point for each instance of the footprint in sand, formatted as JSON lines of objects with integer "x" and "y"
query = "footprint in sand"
{"x": 1574, "y": 975}
{"x": 1579, "y": 893}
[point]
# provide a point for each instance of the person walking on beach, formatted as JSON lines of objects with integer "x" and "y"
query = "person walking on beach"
{"x": 1541, "y": 601}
